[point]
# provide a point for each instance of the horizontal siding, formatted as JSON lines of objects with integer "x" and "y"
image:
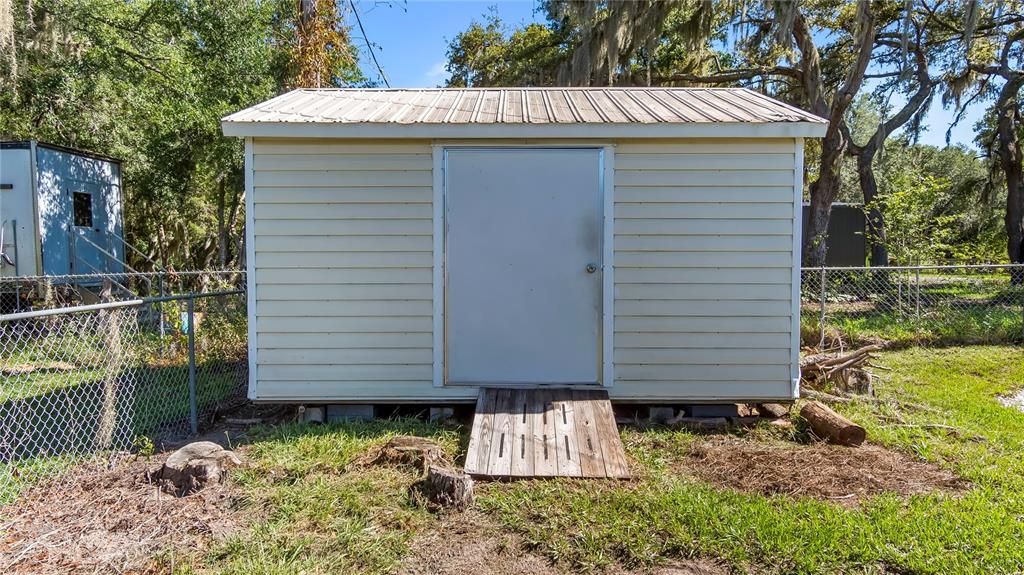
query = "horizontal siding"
{"x": 342, "y": 178}
{"x": 347, "y": 211}
{"x": 343, "y": 258}
{"x": 343, "y": 242}
{"x": 691, "y": 161}
{"x": 670, "y": 194}
{"x": 703, "y": 227}
{"x": 343, "y": 195}
{"x": 723, "y": 211}
{"x": 703, "y": 269}
{"x": 333, "y": 243}
{"x": 344, "y": 227}
{"x": 355, "y": 292}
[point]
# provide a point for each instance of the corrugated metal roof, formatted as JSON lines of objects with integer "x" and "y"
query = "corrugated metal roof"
{"x": 523, "y": 106}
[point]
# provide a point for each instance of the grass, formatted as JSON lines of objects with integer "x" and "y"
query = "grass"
{"x": 665, "y": 515}
{"x": 310, "y": 506}
{"x": 316, "y": 511}
{"x": 320, "y": 511}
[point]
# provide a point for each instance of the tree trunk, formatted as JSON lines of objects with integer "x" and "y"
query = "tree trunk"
{"x": 1011, "y": 161}
{"x": 875, "y": 220}
{"x": 823, "y": 192}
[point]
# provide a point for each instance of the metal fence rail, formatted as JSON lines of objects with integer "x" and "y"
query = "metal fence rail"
{"x": 25, "y": 293}
{"x": 913, "y": 304}
{"x": 107, "y": 378}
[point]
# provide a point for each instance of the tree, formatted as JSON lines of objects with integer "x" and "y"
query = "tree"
{"x": 321, "y": 50}
{"x": 995, "y": 69}
{"x": 148, "y": 82}
{"x": 584, "y": 43}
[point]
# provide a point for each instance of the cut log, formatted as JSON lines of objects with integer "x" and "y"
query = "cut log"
{"x": 828, "y": 424}
{"x": 195, "y": 466}
{"x": 447, "y": 488}
{"x": 773, "y": 410}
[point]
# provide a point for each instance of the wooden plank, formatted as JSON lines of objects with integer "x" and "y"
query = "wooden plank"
{"x": 522, "y": 440}
{"x": 544, "y": 464}
{"x": 611, "y": 443}
{"x": 566, "y": 445}
{"x": 591, "y": 455}
{"x": 480, "y": 439}
{"x": 499, "y": 463}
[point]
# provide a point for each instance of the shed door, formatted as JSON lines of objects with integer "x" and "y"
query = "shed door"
{"x": 523, "y": 266}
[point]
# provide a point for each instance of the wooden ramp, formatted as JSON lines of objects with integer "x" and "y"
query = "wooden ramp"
{"x": 545, "y": 433}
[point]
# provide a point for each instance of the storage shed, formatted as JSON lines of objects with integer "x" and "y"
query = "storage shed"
{"x": 60, "y": 211}
{"x": 414, "y": 245}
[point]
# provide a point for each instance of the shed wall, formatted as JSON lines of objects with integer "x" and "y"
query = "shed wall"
{"x": 703, "y": 268}
{"x": 342, "y": 264}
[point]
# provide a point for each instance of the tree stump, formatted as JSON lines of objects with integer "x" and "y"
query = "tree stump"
{"x": 195, "y": 466}
{"x": 447, "y": 488}
{"x": 417, "y": 452}
{"x": 830, "y": 425}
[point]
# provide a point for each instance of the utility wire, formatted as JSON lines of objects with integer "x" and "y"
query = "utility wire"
{"x": 369, "y": 46}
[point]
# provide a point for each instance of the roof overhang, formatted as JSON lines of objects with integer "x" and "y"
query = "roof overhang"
{"x": 470, "y": 131}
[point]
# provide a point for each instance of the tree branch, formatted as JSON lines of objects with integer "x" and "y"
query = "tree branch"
{"x": 731, "y": 75}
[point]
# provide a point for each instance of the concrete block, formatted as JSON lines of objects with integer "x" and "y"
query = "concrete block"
{"x": 349, "y": 412}
{"x": 312, "y": 414}
{"x": 441, "y": 413}
{"x": 712, "y": 410}
{"x": 661, "y": 414}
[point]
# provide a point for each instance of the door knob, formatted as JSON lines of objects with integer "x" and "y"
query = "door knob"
{"x": 591, "y": 268}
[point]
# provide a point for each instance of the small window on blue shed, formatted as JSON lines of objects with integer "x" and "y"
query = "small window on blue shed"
{"x": 83, "y": 209}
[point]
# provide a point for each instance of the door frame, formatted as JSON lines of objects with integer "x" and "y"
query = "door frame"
{"x": 606, "y": 335}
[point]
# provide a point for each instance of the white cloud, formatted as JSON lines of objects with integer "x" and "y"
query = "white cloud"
{"x": 436, "y": 74}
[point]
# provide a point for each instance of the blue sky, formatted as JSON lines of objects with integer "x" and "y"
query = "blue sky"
{"x": 411, "y": 38}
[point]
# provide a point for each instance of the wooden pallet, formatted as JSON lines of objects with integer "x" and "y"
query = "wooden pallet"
{"x": 545, "y": 433}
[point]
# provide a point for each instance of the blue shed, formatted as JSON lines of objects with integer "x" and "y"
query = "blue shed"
{"x": 60, "y": 211}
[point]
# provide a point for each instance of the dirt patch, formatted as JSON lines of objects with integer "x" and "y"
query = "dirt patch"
{"x": 471, "y": 542}
{"x": 107, "y": 519}
{"x": 844, "y": 475}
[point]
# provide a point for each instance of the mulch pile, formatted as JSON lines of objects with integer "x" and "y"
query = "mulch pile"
{"x": 108, "y": 519}
{"x": 841, "y": 474}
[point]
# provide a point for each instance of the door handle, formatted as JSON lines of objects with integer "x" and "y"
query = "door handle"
{"x": 591, "y": 268}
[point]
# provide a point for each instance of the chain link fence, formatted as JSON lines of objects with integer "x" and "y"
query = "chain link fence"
{"x": 118, "y": 377}
{"x": 113, "y": 378}
{"x": 966, "y": 304}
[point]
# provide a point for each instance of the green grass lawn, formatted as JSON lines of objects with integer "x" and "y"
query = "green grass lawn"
{"x": 315, "y": 510}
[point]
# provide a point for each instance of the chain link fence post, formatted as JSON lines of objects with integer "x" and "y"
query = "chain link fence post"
{"x": 193, "y": 407}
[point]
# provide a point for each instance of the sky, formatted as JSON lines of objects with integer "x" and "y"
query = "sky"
{"x": 410, "y": 38}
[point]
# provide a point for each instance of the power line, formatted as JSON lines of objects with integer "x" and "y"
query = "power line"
{"x": 369, "y": 45}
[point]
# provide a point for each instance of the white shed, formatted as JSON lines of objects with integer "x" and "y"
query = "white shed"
{"x": 415, "y": 245}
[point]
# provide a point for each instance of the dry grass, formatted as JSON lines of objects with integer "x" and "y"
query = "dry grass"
{"x": 103, "y": 519}
{"x": 830, "y": 472}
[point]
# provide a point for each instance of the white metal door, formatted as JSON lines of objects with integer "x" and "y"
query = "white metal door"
{"x": 523, "y": 266}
